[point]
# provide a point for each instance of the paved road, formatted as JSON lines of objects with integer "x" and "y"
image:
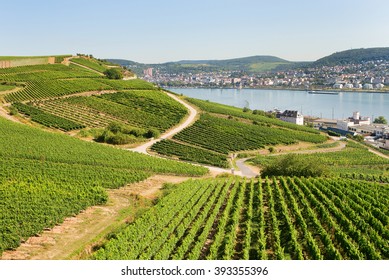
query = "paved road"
{"x": 245, "y": 170}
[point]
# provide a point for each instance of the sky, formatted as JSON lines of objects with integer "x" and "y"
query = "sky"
{"x": 156, "y": 31}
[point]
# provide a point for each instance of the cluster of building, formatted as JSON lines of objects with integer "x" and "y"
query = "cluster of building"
{"x": 370, "y": 75}
{"x": 374, "y": 133}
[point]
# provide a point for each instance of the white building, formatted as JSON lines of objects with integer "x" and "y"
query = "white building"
{"x": 291, "y": 117}
{"x": 384, "y": 144}
{"x": 355, "y": 120}
{"x": 367, "y": 86}
{"x": 338, "y": 86}
{"x": 379, "y": 86}
{"x": 349, "y": 86}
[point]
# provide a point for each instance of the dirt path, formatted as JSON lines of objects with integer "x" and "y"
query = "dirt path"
{"x": 74, "y": 235}
{"x": 378, "y": 153}
{"x": 341, "y": 146}
{"x": 86, "y": 67}
{"x": 4, "y": 114}
{"x": 189, "y": 120}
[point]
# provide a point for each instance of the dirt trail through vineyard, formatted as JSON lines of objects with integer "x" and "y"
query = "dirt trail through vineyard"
{"x": 75, "y": 233}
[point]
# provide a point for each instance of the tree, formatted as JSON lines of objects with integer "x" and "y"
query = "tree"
{"x": 380, "y": 119}
{"x": 113, "y": 73}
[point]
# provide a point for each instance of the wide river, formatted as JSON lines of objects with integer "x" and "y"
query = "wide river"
{"x": 330, "y": 106}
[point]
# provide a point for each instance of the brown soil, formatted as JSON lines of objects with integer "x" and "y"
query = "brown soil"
{"x": 77, "y": 234}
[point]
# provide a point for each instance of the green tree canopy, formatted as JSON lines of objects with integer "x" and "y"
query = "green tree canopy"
{"x": 113, "y": 73}
{"x": 380, "y": 119}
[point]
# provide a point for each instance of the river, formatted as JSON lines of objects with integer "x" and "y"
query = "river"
{"x": 338, "y": 106}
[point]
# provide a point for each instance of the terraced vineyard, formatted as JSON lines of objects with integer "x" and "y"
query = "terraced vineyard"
{"x": 90, "y": 63}
{"x": 47, "y": 81}
{"x": 141, "y": 108}
{"x": 260, "y": 117}
{"x": 45, "y": 177}
{"x": 47, "y": 119}
{"x": 278, "y": 218}
{"x": 190, "y": 153}
{"x": 142, "y": 105}
{"x": 215, "y": 137}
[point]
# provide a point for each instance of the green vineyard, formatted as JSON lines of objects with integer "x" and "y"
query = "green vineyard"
{"x": 48, "y": 81}
{"x": 276, "y": 219}
{"x": 46, "y": 119}
{"x": 45, "y": 177}
{"x": 189, "y": 153}
{"x": 139, "y": 108}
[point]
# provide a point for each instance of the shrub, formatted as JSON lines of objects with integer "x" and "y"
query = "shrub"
{"x": 113, "y": 73}
{"x": 294, "y": 165}
{"x": 152, "y": 133}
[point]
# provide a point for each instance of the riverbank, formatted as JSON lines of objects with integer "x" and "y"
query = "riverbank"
{"x": 386, "y": 91}
{"x": 330, "y": 106}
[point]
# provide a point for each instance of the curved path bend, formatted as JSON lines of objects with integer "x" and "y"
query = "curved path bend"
{"x": 190, "y": 119}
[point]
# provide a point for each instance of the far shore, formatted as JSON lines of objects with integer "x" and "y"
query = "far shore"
{"x": 386, "y": 91}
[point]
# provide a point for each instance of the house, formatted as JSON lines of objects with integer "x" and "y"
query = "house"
{"x": 355, "y": 120}
{"x": 367, "y": 86}
{"x": 291, "y": 117}
{"x": 379, "y": 86}
{"x": 384, "y": 144}
{"x": 323, "y": 122}
{"x": 337, "y": 86}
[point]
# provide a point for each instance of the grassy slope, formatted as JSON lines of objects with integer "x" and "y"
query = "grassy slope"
{"x": 355, "y": 158}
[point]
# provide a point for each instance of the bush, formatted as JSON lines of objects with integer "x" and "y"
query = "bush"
{"x": 294, "y": 165}
{"x": 333, "y": 133}
{"x": 152, "y": 133}
{"x": 13, "y": 111}
{"x": 113, "y": 73}
{"x": 271, "y": 149}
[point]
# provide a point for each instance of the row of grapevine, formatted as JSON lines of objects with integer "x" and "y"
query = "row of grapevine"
{"x": 45, "y": 177}
{"x": 189, "y": 153}
{"x": 47, "y": 81}
{"x": 47, "y": 119}
{"x": 278, "y": 218}
{"x": 224, "y": 136}
{"x": 212, "y": 107}
{"x": 90, "y": 63}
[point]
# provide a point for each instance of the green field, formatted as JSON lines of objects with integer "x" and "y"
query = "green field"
{"x": 222, "y": 130}
{"x": 45, "y": 177}
{"x": 6, "y": 87}
{"x": 90, "y": 63}
{"x": 275, "y": 219}
{"x": 354, "y": 159}
{"x": 49, "y": 81}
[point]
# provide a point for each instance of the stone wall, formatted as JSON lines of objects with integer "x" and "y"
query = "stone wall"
{"x": 27, "y": 61}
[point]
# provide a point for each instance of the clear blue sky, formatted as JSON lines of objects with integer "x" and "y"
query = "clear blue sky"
{"x": 170, "y": 30}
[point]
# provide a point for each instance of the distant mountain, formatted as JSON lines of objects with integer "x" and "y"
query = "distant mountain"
{"x": 353, "y": 56}
{"x": 122, "y": 61}
{"x": 252, "y": 64}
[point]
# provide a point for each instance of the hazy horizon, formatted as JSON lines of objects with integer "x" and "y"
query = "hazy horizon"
{"x": 164, "y": 31}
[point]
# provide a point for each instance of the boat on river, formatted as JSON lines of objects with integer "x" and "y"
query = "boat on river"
{"x": 323, "y": 92}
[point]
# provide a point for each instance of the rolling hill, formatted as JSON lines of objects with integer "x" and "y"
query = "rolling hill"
{"x": 252, "y": 64}
{"x": 353, "y": 56}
